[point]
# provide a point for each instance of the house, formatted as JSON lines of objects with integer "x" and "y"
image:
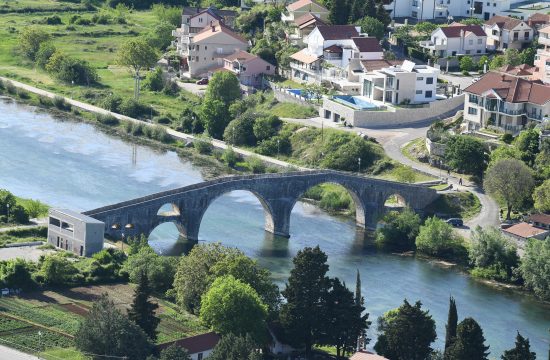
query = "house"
{"x": 208, "y": 48}
{"x": 538, "y": 21}
{"x": 366, "y": 355}
{"x": 303, "y": 26}
{"x": 456, "y": 39}
{"x": 199, "y": 347}
{"x": 198, "y": 18}
{"x": 248, "y": 68}
{"x": 302, "y": 7}
{"x": 505, "y": 102}
{"x": 524, "y": 231}
{"x": 540, "y": 220}
{"x": 75, "y": 232}
{"x": 523, "y": 71}
{"x": 403, "y": 83}
{"x": 542, "y": 58}
{"x": 505, "y": 32}
{"x": 330, "y": 48}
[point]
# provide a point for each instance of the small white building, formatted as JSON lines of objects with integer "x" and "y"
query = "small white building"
{"x": 75, "y": 232}
{"x": 404, "y": 83}
{"x": 504, "y": 32}
{"x": 456, "y": 39}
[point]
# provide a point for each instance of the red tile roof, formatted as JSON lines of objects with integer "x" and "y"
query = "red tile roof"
{"x": 214, "y": 28}
{"x": 367, "y": 44}
{"x": 511, "y": 88}
{"x": 308, "y": 19}
{"x": 456, "y": 30}
{"x": 520, "y": 70}
{"x": 301, "y": 3}
{"x": 337, "y": 32}
{"x": 241, "y": 55}
{"x": 334, "y": 49}
{"x": 195, "y": 344}
{"x": 524, "y": 230}
{"x": 540, "y": 218}
{"x": 504, "y": 22}
{"x": 365, "y": 355}
{"x": 371, "y": 65}
{"x": 538, "y": 19}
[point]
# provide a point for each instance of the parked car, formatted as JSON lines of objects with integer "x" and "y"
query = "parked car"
{"x": 475, "y": 79}
{"x": 203, "y": 81}
{"x": 456, "y": 222}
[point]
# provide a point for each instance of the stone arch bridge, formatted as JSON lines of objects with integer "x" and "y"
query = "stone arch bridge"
{"x": 278, "y": 193}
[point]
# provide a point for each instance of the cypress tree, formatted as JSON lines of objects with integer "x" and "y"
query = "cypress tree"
{"x": 370, "y": 8}
{"x": 469, "y": 343}
{"x": 452, "y": 320}
{"x": 339, "y": 12}
{"x": 357, "y": 10}
{"x": 142, "y": 311}
{"x": 522, "y": 351}
{"x": 358, "y": 289}
{"x": 382, "y": 14}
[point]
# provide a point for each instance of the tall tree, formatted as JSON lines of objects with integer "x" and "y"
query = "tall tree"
{"x": 452, "y": 321}
{"x": 137, "y": 55}
{"x": 522, "y": 350}
{"x": 535, "y": 267}
{"x": 512, "y": 190}
{"x": 304, "y": 292}
{"x": 406, "y": 333}
{"x": 233, "y": 347}
{"x": 358, "y": 288}
{"x": 339, "y": 12}
{"x": 174, "y": 352}
{"x": 370, "y": 8}
{"x": 469, "y": 343}
{"x": 466, "y": 154}
{"x": 106, "y": 331}
{"x": 357, "y": 10}
{"x": 382, "y": 14}
{"x": 142, "y": 311}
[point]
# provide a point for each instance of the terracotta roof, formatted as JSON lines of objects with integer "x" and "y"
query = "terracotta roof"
{"x": 334, "y": 49}
{"x": 524, "y": 230}
{"x": 511, "y": 88}
{"x": 520, "y": 70}
{"x": 241, "y": 55}
{"x": 541, "y": 218}
{"x": 367, "y": 44}
{"x": 308, "y": 19}
{"x": 214, "y": 29}
{"x": 195, "y": 344}
{"x": 304, "y": 56}
{"x": 210, "y": 11}
{"x": 455, "y": 30}
{"x": 365, "y": 355}
{"x": 371, "y": 65}
{"x": 301, "y": 3}
{"x": 545, "y": 30}
{"x": 338, "y": 32}
{"x": 504, "y": 22}
{"x": 538, "y": 18}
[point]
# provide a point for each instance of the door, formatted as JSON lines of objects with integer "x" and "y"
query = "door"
{"x": 486, "y": 16}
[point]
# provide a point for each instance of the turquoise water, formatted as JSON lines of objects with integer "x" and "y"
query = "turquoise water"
{"x": 354, "y": 101}
{"x": 73, "y": 165}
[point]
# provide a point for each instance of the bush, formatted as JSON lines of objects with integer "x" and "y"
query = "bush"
{"x": 23, "y": 94}
{"x": 83, "y": 21}
{"x": 203, "y": 144}
{"x": 255, "y": 165}
{"x": 53, "y": 20}
{"x": 112, "y": 103}
{"x": 437, "y": 238}
{"x": 10, "y": 88}
{"x": 230, "y": 157}
{"x": 75, "y": 71}
{"x": 266, "y": 127}
{"x": 399, "y": 231}
{"x": 107, "y": 119}
{"x": 507, "y": 138}
{"x": 45, "y": 52}
{"x": 241, "y": 130}
{"x": 59, "y": 102}
{"x": 274, "y": 146}
{"x": 134, "y": 109}
{"x": 171, "y": 88}
{"x": 164, "y": 120}
{"x": 153, "y": 80}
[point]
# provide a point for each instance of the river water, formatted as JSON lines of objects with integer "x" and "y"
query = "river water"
{"x": 73, "y": 165}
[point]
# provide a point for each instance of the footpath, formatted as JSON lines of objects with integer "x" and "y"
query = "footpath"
{"x": 173, "y": 133}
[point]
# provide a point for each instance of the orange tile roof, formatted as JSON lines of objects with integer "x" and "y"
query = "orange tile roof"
{"x": 365, "y": 355}
{"x": 520, "y": 70}
{"x": 240, "y": 55}
{"x": 504, "y": 22}
{"x": 308, "y": 19}
{"x": 302, "y": 3}
{"x": 304, "y": 56}
{"x": 541, "y": 218}
{"x": 524, "y": 230}
{"x": 545, "y": 30}
{"x": 215, "y": 28}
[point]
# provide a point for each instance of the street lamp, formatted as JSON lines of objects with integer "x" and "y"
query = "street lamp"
{"x": 8, "y": 212}
{"x": 278, "y": 148}
{"x": 485, "y": 67}
{"x": 359, "y": 163}
{"x": 128, "y": 226}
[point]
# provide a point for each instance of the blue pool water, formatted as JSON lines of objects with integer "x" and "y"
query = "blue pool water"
{"x": 299, "y": 92}
{"x": 355, "y": 102}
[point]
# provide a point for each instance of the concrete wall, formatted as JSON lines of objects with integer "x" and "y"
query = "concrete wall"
{"x": 77, "y": 235}
{"x": 436, "y": 110}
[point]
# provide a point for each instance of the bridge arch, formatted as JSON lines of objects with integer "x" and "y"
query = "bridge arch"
{"x": 163, "y": 238}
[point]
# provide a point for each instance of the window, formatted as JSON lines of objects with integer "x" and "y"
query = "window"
{"x": 516, "y": 35}
{"x": 58, "y": 241}
{"x": 199, "y": 356}
{"x": 471, "y": 42}
{"x": 488, "y": 4}
{"x": 467, "y": 52}
{"x": 428, "y": 93}
{"x": 200, "y": 19}
{"x": 430, "y": 80}
{"x": 419, "y": 92}
{"x": 414, "y": 14}
{"x": 268, "y": 67}
{"x": 480, "y": 41}
{"x": 55, "y": 222}
{"x": 197, "y": 47}
{"x": 205, "y": 47}
{"x": 472, "y": 111}
{"x": 478, "y": 51}
{"x": 420, "y": 78}
{"x": 494, "y": 5}
{"x": 526, "y": 35}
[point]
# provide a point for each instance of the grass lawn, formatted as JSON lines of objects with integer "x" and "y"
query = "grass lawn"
{"x": 292, "y": 110}
{"x": 415, "y": 147}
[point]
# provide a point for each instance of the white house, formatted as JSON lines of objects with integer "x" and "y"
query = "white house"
{"x": 402, "y": 83}
{"x": 302, "y": 7}
{"x": 505, "y": 102}
{"x": 456, "y": 39}
{"x": 199, "y": 347}
{"x": 504, "y": 32}
{"x": 542, "y": 59}
{"x": 330, "y": 48}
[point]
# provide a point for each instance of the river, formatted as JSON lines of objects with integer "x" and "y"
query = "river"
{"x": 73, "y": 165}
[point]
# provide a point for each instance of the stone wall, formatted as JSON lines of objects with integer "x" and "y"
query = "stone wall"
{"x": 434, "y": 148}
{"x": 437, "y": 110}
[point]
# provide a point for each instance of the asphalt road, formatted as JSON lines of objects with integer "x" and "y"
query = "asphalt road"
{"x": 7, "y": 353}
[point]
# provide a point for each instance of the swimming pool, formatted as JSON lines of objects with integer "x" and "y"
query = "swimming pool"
{"x": 356, "y": 102}
{"x": 301, "y": 93}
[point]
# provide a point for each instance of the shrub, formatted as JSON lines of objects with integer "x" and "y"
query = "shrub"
{"x": 45, "y": 101}
{"x": 266, "y": 127}
{"x": 75, "y": 71}
{"x": 274, "y": 146}
{"x": 203, "y": 144}
{"x": 507, "y": 138}
{"x": 171, "y": 88}
{"x": 153, "y": 80}
{"x": 53, "y": 20}
{"x": 240, "y": 131}
{"x": 83, "y": 21}
{"x": 437, "y": 238}
{"x": 399, "y": 231}
{"x": 256, "y": 165}
{"x": 10, "y": 88}
{"x": 112, "y": 103}
{"x": 45, "y": 52}
{"x": 133, "y": 108}
{"x": 60, "y": 103}
{"x": 23, "y": 94}
{"x": 73, "y": 19}
{"x": 102, "y": 19}
{"x": 230, "y": 157}
{"x": 107, "y": 119}
{"x": 165, "y": 120}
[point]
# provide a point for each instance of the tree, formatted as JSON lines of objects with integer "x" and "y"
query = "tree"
{"x": 399, "y": 231}
{"x": 107, "y": 332}
{"x": 405, "y": 174}
{"x": 469, "y": 343}
{"x": 512, "y": 190}
{"x": 357, "y": 10}
{"x": 160, "y": 35}
{"x": 382, "y": 14}
{"x": 406, "y": 333}
{"x": 527, "y": 56}
{"x": 527, "y": 143}
{"x": 215, "y": 117}
{"x": 512, "y": 57}
{"x": 466, "y": 64}
{"x": 504, "y": 152}
{"x": 45, "y": 51}
{"x": 233, "y": 347}
{"x": 490, "y": 249}
{"x": 231, "y": 306}
{"x": 535, "y": 267}
{"x": 482, "y": 61}
{"x": 304, "y": 291}
{"x": 339, "y": 12}
{"x": 137, "y": 55}
{"x": 223, "y": 86}
{"x": 142, "y": 311}
{"x": 160, "y": 270}
{"x": 241, "y": 130}
{"x": 522, "y": 350}
{"x": 465, "y": 154}
{"x": 266, "y": 127}
{"x": 437, "y": 238}
{"x": 169, "y": 14}
{"x": 16, "y": 273}
{"x": 497, "y": 62}
{"x": 56, "y": 270}
{"x": 370, "y": 8}
{"x": 425, "y": 28}
{"x": 450, "y": 328}
{"x": 342, "y": 319}
{"x": 174, "y": 352}
{"x": 358, "y": 296}
{"x": 372, "y": 26}
{"x": 541, "y": 197}
{"x": 30, "y": 39}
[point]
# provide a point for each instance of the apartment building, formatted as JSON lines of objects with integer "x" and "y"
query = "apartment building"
{"x": 248, "y": 68}
{"x": 401, "y": 83}
{"x": 208, "y": 48}
{"x": 542, "y": 59}
{"x": 302, "y": 7}
{"x": 504, "y": 32}
{"x": 74, "y": 232}
{"x": 505, "y": 102}
{"x": 456, "y": 39}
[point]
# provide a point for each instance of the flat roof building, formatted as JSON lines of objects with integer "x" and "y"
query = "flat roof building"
{"x": 72, "y": 231}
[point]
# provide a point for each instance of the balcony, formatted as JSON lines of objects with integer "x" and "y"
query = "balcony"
{"x": 534, "y": 116}
{"x": 428, "y": 44}
{"x": 441, "y": 6}
{"x": 503, "y": 110}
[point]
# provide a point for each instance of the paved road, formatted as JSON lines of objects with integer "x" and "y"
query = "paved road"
{"x": 7, "y": 353}
{"x": 392, "y": 140}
